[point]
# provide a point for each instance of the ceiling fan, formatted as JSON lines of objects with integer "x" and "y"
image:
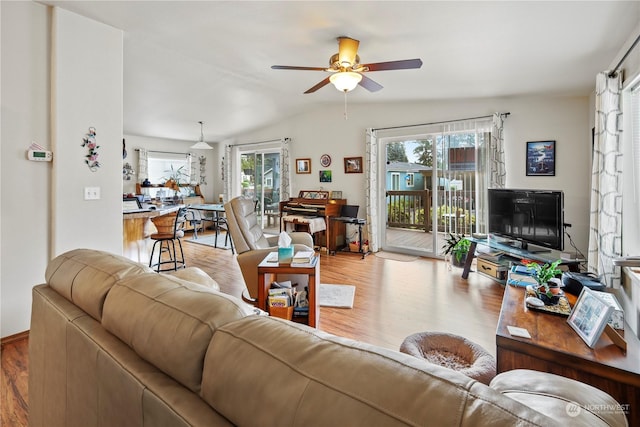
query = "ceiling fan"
{"x": 347, "y": 71}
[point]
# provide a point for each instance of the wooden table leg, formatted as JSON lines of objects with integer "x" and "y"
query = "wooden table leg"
{"x": 469, "y": 260}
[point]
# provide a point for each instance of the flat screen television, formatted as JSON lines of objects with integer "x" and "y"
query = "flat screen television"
{"x": 533, "y": 217}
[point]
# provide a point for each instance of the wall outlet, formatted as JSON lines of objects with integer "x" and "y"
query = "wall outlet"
{"x": 92, "y": 193}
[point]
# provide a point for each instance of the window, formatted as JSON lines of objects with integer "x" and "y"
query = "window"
{"x": 162, "y": 166}
{"x": 395, "y": 181}
{"x": 409, "y": 179}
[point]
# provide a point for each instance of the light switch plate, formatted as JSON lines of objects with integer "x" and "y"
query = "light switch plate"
{"x": 92, "y": 193}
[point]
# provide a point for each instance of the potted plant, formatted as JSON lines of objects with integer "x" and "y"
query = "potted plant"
{"x": 457, "y": 247}
{"x": 542, "y": 273}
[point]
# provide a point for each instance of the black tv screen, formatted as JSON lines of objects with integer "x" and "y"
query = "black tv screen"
{"x": 528, "y": 216}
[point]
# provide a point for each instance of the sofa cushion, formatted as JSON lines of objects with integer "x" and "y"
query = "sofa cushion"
{"x": 169, "y": 322}
{"x": 307, "y": 377}
{"x": 85, "y": 276}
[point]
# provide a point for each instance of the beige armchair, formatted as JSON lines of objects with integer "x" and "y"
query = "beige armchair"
{"x": 252, "y": 245}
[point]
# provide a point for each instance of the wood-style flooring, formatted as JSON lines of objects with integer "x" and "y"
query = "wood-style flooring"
{"x": 393, "y": 299}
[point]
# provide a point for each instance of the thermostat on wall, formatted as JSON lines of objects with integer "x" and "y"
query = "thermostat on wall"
{"x": 40, "y": 155}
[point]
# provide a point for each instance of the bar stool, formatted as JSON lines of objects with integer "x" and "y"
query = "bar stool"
{"x": 170, "y": 228}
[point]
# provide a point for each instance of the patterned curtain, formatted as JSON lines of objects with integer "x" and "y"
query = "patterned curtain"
{"x": 285, "y": 170}
{"x": 142, "y": 164}
{"x": 371, "y": 194}
{"x": 227, "y": 171}
{"x": 605, "y": 224}
{"x": 497, "y": 171}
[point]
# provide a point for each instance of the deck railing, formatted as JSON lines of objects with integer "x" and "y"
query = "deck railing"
{"x": 456, "y": 213}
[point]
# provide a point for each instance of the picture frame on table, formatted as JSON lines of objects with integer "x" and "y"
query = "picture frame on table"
{"x": 541, "y": 158}
{"x": 303, "y": 165}
{"x": 589, "y": 316}
{"x": 336, "y": 195}
{"x": 353, "y": 165}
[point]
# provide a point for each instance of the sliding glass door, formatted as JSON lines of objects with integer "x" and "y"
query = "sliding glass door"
{"x": 260, "y": 181}
{"x": 434, "y": 186}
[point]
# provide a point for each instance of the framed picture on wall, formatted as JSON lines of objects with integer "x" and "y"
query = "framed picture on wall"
{"x": 303, "y": 165}
{"x": 353, "y": 165}
{"x": 541, "y": 158}
{"x": 325, "y": 176}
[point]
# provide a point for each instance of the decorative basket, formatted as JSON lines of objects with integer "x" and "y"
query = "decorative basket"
{"x": 354, "y": 247}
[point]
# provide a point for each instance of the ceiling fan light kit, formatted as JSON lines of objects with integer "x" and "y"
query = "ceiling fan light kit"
{"x": 345, "y": 81}
{"x": 201, "y": 145}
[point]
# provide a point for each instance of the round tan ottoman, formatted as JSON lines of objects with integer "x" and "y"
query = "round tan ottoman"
{"x": 452, "y": 351}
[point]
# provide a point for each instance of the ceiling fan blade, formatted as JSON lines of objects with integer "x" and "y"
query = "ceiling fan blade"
{"x": 404, "y": 64}
{"x": 369, "y": 84}
{"x": 347, "y": 51}
{"x": 291, "y": 67}
{"x": 318, "y": 86}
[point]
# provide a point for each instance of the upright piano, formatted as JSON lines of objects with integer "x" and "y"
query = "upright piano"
{"x": 316, "y": 203}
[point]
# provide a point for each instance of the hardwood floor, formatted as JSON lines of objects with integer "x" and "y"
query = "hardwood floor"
{"x": 393, "y": 299}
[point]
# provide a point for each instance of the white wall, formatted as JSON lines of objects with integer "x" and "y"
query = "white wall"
{"x": 43, "y": 208}
{"x": 87, "y": 87}
{"x": 213, "y": 187}
{"x": 563, "y": 119}
{"x": 25, "y": 201}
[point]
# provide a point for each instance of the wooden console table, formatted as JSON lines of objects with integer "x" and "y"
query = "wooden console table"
{"x": 554, "y": 347}
{"x": 269, "y": 270}
{"x": 515, "y": 253}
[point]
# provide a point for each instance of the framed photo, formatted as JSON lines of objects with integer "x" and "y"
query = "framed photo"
{"x": 325, "y": 176}
{"x": 541, "y": 158}
{"x": 336, "y": 194}
{"x": 353, "y": 165}
{"x": 303, "y": 165}
{"x": 589, "y": 316}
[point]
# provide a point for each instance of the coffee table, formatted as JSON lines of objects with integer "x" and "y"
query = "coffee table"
{"x": 555, "y": 347}
{"x": 269, "y": 270}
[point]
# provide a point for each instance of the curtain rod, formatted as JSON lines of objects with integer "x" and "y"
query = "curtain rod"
{"x": 256, "y": 143}
{"x": 164, "y": 152}
{"x": 437, "y": 123}
{"x": 617, "y": 67}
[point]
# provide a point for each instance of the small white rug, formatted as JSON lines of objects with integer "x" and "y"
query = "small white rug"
{"x": 340, "y": 296}
{"x": 210, "y": 240}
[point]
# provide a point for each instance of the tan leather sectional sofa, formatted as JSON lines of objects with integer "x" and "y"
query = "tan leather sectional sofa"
{"x": 114, "y": 344}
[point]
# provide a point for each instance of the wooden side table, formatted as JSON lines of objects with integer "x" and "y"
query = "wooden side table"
{"x": 554, "y": 347}
{"x": 269, "y": 270}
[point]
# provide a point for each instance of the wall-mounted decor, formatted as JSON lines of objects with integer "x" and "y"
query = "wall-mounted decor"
{"x": 127, "y": 172}
{"x": 89, "y": 141}
{"x": 325, "y": 160}
{"x": 325, "y": 176}
{"x": 541, "y": 158}
{"x": 303, "y": 165}
{"x": 203, "y": 169}
{"x": 353, "y": 165}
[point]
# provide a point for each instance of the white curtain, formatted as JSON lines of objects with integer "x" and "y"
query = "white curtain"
{"x": 371, "y": 194}
{"x": 605, "y": 224}
{"x": 497, "y": 172}
{"x": 285, "y": 169}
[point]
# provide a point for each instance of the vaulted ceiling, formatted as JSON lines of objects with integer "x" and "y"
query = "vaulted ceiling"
{"x": 210, "y": 60}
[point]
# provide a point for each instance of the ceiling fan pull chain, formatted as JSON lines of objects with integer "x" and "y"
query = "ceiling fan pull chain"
{"x": 345, "y": 105}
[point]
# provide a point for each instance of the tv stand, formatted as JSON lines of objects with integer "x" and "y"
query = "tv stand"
{"x": 516, "y": 254}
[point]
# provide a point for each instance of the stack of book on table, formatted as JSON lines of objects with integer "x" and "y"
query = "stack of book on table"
{"x": 302, "y": 258}
{"x": 521, "y": 276}
{"x": 286, "y": 301}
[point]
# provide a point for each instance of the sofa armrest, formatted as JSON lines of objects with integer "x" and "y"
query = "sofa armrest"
{"x": 559, "y": 397}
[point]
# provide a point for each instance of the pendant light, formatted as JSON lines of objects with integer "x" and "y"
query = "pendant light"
{"x": 201, "y": 145}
